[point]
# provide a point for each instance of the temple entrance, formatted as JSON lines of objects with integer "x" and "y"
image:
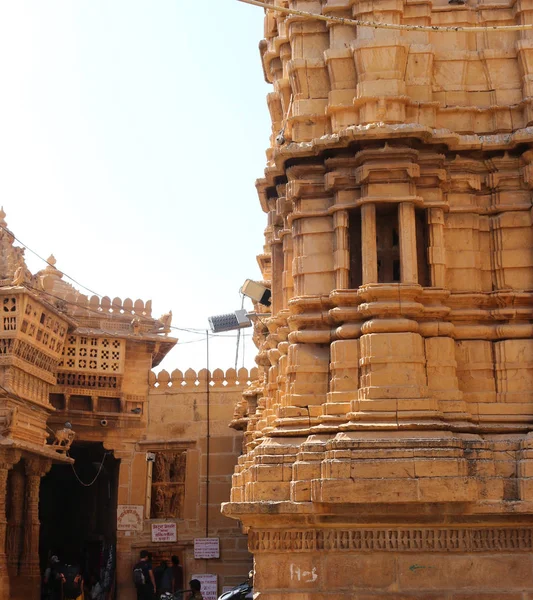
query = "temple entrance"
{"x": 77, "y": 510}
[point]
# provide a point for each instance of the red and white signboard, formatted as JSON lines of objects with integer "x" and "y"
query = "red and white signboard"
{"x": 206, "y": 547}
{"x": 164, "y": 532}
{"x": 209, "y": 585}
{"x": 130, "y": 518}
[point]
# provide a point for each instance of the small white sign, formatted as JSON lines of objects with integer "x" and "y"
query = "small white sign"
{"x": 209, "y": 585}
{"x": 206, "y": 547}
{"x": 164, "y": 532}
{"x": 130, "y": 517}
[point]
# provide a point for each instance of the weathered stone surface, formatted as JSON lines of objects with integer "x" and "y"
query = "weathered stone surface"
{"x": 388, "y": 434}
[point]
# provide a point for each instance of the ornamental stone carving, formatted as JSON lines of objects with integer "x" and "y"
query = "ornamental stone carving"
{"x": 393, "y": 412}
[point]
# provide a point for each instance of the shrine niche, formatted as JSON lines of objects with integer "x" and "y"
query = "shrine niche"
{"x": 168, "y": 485}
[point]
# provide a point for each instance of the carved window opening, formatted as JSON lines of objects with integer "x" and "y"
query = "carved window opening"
{"x": 81, "y": 403}
{"x": 388, "y": 244}
{"x": 6, "y": 346}
{"x": 102, "y": 355}
{"x": 355, "y": 245}
{"x": 168, "y": 485}
{"x": 34, "y": 356}
{"x": 58, "y": 401}
{"x": 109, "y": 405}
{"x": 10, "y": 305}
{"x": 10, "y": 323}
{"x": 422, "y": 244}
{"x": 43, "y": 327}
{"x": 9, "y": 320}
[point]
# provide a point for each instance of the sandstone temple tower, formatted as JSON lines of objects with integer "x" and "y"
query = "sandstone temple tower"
{"x": 388, "y": 445}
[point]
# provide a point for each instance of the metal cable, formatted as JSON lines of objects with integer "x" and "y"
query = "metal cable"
{"x": 377, "y": 25}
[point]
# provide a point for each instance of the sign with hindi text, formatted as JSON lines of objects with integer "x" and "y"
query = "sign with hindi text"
{"x": 164, "y": 532}
{"x": 130, "y": 517}
{"x": 206, "y": 548}
{"x": 209, "y": 585}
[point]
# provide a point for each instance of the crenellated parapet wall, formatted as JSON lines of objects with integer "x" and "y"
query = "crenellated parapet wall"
{"x": 106, "y": 306}
{"x": 177, "y": 380}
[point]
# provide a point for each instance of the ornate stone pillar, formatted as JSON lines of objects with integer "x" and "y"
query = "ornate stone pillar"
{"x": 29, "y": 566}
{"x": 437, "y": 249}
{"x": 4, "y": 576}
{"x": 369, "y": 244}
{"x": 288, "y": 283}
{"x": 342, "y": 252}
{"x": 16, "y": 520}
{"x": 7, "y": 460}
{"x": 406, "y": 220}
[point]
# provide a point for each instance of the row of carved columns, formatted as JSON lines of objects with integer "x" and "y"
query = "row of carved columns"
{"x": 20, "y": 479}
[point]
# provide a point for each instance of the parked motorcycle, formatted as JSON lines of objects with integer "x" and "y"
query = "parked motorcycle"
{"x": 243, "y": 591}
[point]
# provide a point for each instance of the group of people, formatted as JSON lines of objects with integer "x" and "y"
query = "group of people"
{"x": 152, "y": 584}
{"x": 64, "y": 581}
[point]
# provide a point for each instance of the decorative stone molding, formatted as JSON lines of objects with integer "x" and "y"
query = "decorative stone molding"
{"x": 452, "y": 539}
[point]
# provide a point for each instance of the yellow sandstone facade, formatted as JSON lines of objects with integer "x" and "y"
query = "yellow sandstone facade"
{"x": 388, "y": 446}
{"x": 95, "y": 448}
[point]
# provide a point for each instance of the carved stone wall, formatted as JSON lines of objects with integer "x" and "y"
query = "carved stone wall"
{"x": 63, "y": 357}
{"x": 176, "y": 487}
{"x": 392, "y": 416}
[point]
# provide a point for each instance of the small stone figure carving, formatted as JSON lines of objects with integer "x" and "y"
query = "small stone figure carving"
{"x": 63, "y": 438}
{"x": 136, "y": 325}
{"x": 164, "y": 322}
{"x": 10, "y": 418}
{"x": 19, "y": 276}
{"x": 160, "y": 502}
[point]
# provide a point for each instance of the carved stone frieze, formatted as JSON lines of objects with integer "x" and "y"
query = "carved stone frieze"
{"x": 452, "y": 539}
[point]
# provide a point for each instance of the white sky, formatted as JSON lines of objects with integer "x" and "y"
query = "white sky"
{"x": 131, "y": 135}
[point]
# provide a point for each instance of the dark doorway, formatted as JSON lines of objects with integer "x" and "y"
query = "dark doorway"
{"x": 354, "y": 241}
{"x": 388, "y": 243}
{"x": 78, "y": 508}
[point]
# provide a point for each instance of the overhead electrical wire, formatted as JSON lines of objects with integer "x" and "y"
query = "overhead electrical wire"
{"x": 46, "y": 261}
{"x": 100, "y": 314}
{"x": 192, "y": 330}
{"x": 396, "y": 26}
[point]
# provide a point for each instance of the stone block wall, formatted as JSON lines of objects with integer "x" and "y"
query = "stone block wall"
{"x": 175, "y": 422}
{"x": 387, "y": 439}
{"x": 338, "y": 76}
